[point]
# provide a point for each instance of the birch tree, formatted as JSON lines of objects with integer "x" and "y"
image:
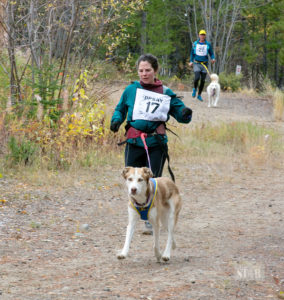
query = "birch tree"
{"x": 218, "y": 18}
{"x": 49, "y": 32}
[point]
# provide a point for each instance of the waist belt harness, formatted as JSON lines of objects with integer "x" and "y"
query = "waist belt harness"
{"x": 135, "y": 133}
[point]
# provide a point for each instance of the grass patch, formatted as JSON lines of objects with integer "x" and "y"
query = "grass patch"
{"x": 278, "y": 105}
{"x": 227, "y": 141}
{"x": 86, "y": 165}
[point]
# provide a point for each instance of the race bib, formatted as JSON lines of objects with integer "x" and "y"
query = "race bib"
{"x": 201, "y": 50}
{"x": 151, "y": 106}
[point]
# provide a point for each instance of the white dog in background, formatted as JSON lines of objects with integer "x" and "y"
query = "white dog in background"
{"x": 162, "y": 196}
{"x": 213, "y": 90}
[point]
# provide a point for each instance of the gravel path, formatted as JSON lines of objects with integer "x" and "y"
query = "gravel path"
{"x": 60, "y": 241}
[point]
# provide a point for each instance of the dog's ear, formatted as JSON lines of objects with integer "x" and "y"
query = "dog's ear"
{"x": 125, "y": 171}
{"x": 148, "y": 173}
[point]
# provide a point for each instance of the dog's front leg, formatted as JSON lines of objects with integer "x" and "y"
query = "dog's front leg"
{"x": 209, "y": 98}
{"x": 216, "y": 100}
{"x": 132, "y": 220}
{"x": 209, "y": 101}
{"x": 156, "y": 230}
{"x": 170, "y": 242}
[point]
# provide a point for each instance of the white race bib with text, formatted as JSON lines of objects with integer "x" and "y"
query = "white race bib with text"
{"x": 151, "y": 106}
{"x": 201, "y": 50}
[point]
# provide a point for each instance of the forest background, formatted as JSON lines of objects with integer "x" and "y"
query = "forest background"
{"x": 59, "y": 58}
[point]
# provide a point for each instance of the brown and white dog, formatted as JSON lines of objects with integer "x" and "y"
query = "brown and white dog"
{"x": 164, "y": 209}
{"x": 213, "y": 90}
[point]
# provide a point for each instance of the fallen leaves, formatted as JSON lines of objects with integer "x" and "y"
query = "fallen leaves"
{"x": 3, "y": 202}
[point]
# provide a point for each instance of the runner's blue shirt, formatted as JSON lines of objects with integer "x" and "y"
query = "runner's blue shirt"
{"x": 201, "y": 51}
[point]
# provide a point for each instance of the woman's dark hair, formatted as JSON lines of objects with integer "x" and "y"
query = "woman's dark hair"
{"x": 151, "y": 59}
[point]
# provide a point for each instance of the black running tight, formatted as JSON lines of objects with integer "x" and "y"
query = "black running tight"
{"x": 137, "y": 157}
{"x": 197, "y": 76}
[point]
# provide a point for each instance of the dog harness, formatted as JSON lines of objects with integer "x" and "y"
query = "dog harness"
{"x": 142, "y": 210}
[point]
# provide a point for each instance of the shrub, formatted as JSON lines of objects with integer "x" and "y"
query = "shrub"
{"x": 4, "y": 82}
{"x": 45, "y": 85}
{"x": 230, "y": 82}
{"x": 22, "y": 151}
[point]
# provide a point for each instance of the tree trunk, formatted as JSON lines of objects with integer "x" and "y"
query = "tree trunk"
{"x": 64, "y": 61}
{"x": 14, "y": 80}
{"x": 276, "y": 66}
{"x": 264, "y": 45}
{"x": 143, "y": 32}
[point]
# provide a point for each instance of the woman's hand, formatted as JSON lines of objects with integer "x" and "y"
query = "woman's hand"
{"x": 186, "y": 113}
{"x": 114, "y": 126}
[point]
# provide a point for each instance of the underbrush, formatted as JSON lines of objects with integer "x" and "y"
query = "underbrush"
{"x": 206, "y": 143}
{"x": 73, "y": 134}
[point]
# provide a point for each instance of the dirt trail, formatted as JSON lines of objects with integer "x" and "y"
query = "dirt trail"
{"x": 61, "y": 242}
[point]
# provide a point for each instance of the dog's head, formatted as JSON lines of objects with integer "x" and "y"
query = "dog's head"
{"x": 214, "y": 77}
{"x": 137, "y": 180}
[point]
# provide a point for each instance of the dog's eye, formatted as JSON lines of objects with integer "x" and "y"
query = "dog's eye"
{"x": 129, "y": 179}
{"x": 140, "y": 179}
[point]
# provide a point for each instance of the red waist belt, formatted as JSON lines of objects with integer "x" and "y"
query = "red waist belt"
{"x": 133, "y": 133}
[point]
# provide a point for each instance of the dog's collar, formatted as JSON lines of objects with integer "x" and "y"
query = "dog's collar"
{"x": 140, "y": 205}
{"x": 137, "y": 204}
{"x": 143, "y": 209}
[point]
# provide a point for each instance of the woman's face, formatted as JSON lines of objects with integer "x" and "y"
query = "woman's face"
{"x": 146, "y": 72}
{"x": 202, "y": 38}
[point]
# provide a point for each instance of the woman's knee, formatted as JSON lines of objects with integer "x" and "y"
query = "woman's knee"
{"x": 203, "y": 76}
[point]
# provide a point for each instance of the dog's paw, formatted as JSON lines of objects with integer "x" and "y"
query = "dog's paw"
{"x": 121, "y": 256}
{"x": 165, "y": 258}
{"x": 158, "y": 258}
{"x": 157, "y": 254}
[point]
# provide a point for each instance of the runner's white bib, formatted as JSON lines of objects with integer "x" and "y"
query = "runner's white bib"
{"x": 201, "y": 50}
{"x": 151, "y": 106}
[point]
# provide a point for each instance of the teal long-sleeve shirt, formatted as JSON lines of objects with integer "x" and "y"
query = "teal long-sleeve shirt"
{"x": 201, "y": 51}
{"x": 124, "y": 109}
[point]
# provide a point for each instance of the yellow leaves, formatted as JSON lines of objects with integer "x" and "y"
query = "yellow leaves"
{"x": 82, "y": 94}
{"x": 81, "y": 85}
{"x": 86, "y": 123}
{"x": 71, "y": 126}
{"x": 1, "y": 175}
{"x": 3, "y": 202}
